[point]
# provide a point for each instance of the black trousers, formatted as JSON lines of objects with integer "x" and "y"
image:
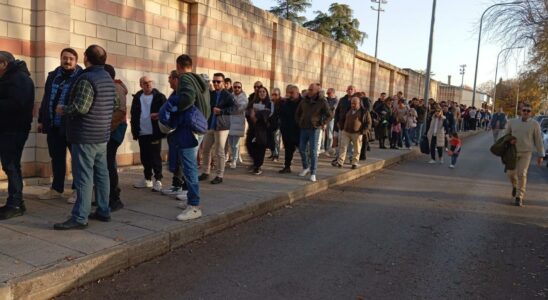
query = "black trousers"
{"x": 255, "y": 150}
{"x": 11, "y": 150}
{"x": 433, "y": 149}
{"x": 151, "y": 156}
{"x": 57, "y": 148}
{"x": 290, "y": 145}
{"x": 178, "y": 178}
{"x": 112, "y": 148}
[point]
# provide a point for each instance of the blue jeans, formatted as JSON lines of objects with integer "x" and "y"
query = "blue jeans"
{"x": 416, "y": 134}
{"x": 189, "y": 165}
{"x": 329, "y": 135}
{"x": 234, "y": 143}
{"x": 309, "y": 140}
{"x": 277, "y": 139}
{"x": 405, "y": 137}
{"x": 89, "y": 167}
{"x": 11, "y": 150}
{"x": 454, "y": 158}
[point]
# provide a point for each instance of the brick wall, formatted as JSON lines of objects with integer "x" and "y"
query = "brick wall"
{"x": 145, "y": 36}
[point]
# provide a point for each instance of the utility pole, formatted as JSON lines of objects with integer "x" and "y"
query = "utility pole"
{"x": 378, "y": 9}
{"x": 429, "y": 64}
{"x": 462, "y": 71}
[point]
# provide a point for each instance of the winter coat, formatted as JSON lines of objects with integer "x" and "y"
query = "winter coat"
{"x": 340, "y": 111}
{"x": 260, "y": 124}
{"x": 286, "y": 116}
{"x": 313, "y": 113}
{"x": 44, "y": 114}
{"x": 193, "y": 90}
{"x": 226, "y": 104}
{"x": 237, "y": 118}
{"x": 383, "y": 114}
{"x": 158, "y": 99}
{"x": 507, "y": 151}
{"x": 16, "y": 98}
{"x": 440, "y": 132}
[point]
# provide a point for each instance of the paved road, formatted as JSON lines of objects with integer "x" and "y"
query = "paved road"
{"x": 412, "y": 231}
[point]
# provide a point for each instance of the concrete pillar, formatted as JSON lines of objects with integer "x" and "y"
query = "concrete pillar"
{"x": 392, "y": 83}
{"x": 373, "y": 80}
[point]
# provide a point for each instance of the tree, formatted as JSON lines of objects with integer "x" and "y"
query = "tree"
{"x": 486, "y": 87}
{"x": 339, "y": 24}
{"x": 291, "y": 9}
{"x": 524, "y": 24}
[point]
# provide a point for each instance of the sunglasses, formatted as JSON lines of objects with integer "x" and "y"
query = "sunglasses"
{"x": 217, "y": 81}
{"x": 526, "y": 110}
{"x": 258, "y": 87}
{"x": 275, "y": 94}
{"x": 236, "y": 87}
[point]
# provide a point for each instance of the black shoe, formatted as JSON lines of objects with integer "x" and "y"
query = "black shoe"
{"x": 258, "y": 171}
{"x": 513, "y": 192}
{"x": 68, "y": 225}
{"x": 94, "y": 203}
{"x": 368, "y": 148}
{"x": 116, "y": 205}
{"x": 354, "y": 167}
{"x": 217, "y": 180}
{"x": 336, "y": 164}
{"x": 362, "y": 157}
{"x": 11, "y": 212}
{"x": 285, "y": 170}
{"x": 203, "y": 177}
{"x": 98, "y": 217}
{"x": 519, "y": 201}
{"x": 184, "y": 187}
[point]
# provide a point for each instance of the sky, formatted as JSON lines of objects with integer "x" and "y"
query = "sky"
{"x": 404, "y": 32}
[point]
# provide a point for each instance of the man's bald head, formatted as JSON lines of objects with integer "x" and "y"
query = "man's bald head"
{"x": 95, "y": 55}
{"x": 146, "y": 84}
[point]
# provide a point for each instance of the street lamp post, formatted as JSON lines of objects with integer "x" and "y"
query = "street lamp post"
{"x": 496, "y": 72}
{"x": 479, "y": 42}
{"x": 462, "y": 71}
{"x": 429, "y": 65}
{"x": 378, "y": 10}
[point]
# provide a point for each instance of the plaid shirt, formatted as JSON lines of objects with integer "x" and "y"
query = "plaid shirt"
{"x": 83, "y": 99}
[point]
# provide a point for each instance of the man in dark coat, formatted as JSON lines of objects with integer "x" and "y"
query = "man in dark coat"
{"x": 16, "y": 104}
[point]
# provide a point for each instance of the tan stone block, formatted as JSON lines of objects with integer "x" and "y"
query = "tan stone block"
{"x": 214, "y": 54}
{"x": 77, "y": 41}
{"x": 116, "y": 22}
{"x": 11, "y": 14}
{"x": 106, "y": 33}
{"x": 56, "y": 35}
{"x": 116, "y": 48}
{"x": 153, "y": 31}
{"x": 144, "y": 41}
{"x": 96, "y": 17}
{"x": 28, "y": 17}
{"x": 226, "y": 57}
{"x": 3, "y": 28}
{"x": 96, "y": 41}
{"x": 84, "y": 28}
{"x": 19, "y": 31}
{"x": 60, "y": 6}
{"x": 42, "y": 155}
{"x": 57, "y": 20}
{"x": 135, "y": 27}
{"x": 160, "y": 44}
{"x": 126, "y": 37}
{"x": 176, "y": 48}
{"x": 168, "y": 35}
{"x": 171, "y": 13}
{"x": 153, "y": 7}
{"x": 21, "y": 3}
{"x": 77, "y": 13}
{"x": 135, "y": 51}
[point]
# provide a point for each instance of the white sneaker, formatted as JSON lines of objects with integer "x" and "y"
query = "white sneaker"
{"x": 191, "y": 212}
{"x": 432, "y": 161}
{"x": 304, "y": 172}
{"x": 441, "y": 161}
{"x": 313, "y": 178}
{"x": 72, "y": 199}
{"x": 233, "y": 164}
{"x": 50, "y": 195}
{"x": 182, "y": 196}
{"x": 157, "y": 187}
{"x": 172, "y": 190}
{"x": 143, "y": 183}
{"x": 452, "y": 166}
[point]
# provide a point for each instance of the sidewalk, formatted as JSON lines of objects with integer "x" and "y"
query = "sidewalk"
{"x": 37, "y": 262}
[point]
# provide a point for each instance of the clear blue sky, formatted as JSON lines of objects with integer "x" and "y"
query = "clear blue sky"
{"x": 404, "y": 31}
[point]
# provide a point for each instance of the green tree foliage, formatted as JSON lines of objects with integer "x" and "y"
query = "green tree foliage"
{"x": 339, "y": 24}
{"x": 530, "y": 91}
{"x": 291, "y": 10}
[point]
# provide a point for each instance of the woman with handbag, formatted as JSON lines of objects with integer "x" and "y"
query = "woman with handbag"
{"x": 258, "y": 114}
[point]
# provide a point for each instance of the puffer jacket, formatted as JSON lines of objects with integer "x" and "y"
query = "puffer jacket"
{"x": 440, "y": 132}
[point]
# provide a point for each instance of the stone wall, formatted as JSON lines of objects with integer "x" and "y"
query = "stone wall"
{"x": 145, "y": 36}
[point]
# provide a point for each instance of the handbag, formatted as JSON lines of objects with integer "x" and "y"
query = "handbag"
{"x": 425, "y": 145}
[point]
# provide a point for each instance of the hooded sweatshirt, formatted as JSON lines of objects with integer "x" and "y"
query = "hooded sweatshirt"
{"x": 16, "y": 98}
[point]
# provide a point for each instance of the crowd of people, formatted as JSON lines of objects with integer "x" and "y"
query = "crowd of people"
{"x": 84, "y": 111}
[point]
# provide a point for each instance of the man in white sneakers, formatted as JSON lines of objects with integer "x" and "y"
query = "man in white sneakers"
{"x": 144, "y": 128}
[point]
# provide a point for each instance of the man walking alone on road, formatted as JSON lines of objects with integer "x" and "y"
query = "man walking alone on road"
{"x": 528, "y": 140}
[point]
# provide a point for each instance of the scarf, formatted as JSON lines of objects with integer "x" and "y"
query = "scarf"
{"x": 60, "y": 88}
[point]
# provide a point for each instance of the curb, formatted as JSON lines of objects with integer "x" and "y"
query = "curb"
{"x": 52, "y": 281}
